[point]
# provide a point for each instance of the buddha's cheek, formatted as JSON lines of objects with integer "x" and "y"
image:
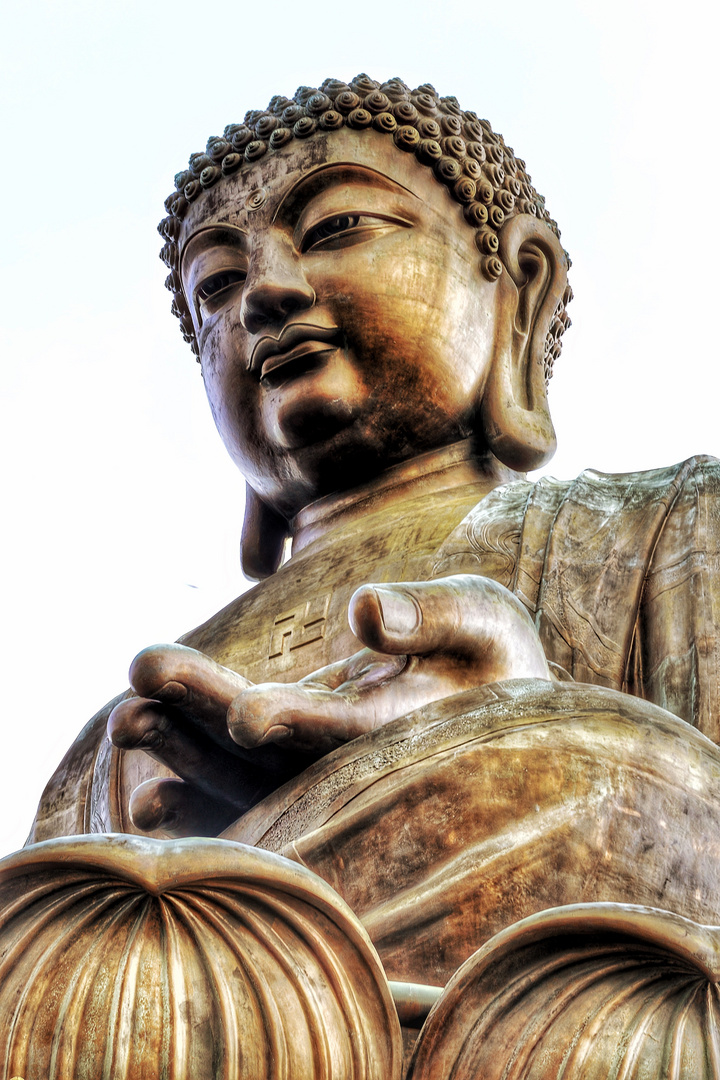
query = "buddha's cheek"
{"x": 313, "y": 406}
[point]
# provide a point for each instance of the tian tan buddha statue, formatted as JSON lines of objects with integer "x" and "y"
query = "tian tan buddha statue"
{"x": 457, "y": 747}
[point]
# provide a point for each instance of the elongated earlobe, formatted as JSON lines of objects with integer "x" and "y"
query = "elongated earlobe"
{"x": 263, "y": 538}
{"x": 515, "y": 413}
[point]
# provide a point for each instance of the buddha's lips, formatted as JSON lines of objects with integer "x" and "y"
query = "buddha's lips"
{"x": 288, "y": 365}
{"x": 296, "y": 341}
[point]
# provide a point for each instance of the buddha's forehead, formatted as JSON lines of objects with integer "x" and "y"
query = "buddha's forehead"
{"x": 256, "y": 192}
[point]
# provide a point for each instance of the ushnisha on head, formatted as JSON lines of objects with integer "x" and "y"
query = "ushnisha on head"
{"x": 465, "y": 154}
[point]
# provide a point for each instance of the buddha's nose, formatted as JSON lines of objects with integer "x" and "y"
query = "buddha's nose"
{"x": 275, "y": 288}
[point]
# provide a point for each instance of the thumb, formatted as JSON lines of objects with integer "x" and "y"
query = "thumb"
{"x": 419, "y": 617}
{"x": 465, "y": 616}
{"x": 386, "y": 618}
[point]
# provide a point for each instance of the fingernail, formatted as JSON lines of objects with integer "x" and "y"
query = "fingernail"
{"x": 172, "y": 693}
{"x": 399, "y": 612}
{"x": 151, "y": 740}
{"x": 277, "y": 733}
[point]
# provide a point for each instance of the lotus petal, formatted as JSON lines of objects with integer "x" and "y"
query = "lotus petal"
{"x": 585, "y": 992}
{"x": 125, "y": 958}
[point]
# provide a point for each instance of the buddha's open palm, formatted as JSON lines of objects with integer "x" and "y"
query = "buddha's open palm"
{"x": 231, "y": 742}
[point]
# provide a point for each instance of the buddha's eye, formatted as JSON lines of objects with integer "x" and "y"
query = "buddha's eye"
{"x": 212, "y": 287}
{"x": 333, "y": 227}
{"x": 346, "y": 229}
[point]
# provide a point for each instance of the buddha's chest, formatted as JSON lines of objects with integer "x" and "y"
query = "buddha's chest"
{"x": 296, "y": 622}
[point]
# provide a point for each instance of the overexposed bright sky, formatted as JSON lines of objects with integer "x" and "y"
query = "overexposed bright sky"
{"x": 121, "y": 512}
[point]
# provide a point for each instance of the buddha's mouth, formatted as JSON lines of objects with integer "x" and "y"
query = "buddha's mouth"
{"x": 296, "y": 349}
{"x": 284, "y": 366}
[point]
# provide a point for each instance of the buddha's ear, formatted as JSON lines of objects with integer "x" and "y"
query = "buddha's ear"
{"x": 263, "y": 538}
{"x": 515, "y": 413}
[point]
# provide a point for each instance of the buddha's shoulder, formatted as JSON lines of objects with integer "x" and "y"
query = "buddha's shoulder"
{"x": 511, "y": 502}
{"x": 520, "y": 516}
{"x": 701, "y": 469}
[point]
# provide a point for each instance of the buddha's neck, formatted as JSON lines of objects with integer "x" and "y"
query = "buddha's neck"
{"x": 429, "y": 474}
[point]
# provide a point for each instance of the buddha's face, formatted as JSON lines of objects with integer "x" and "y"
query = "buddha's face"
{"x": 342, "y": 319}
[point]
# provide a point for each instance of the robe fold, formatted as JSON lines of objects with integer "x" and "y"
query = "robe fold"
{"x": 621, "y": 574}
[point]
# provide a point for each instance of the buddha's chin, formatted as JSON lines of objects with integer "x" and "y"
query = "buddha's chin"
{"x": 333, "y": 453}
{"x": 311, "y": 410}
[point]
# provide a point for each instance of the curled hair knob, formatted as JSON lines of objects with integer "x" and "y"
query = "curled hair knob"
{"x": 429, "y": 129}
{"x": 266, "y": 125}
{"x": 377, "y": 102}
{"x": 395, "y": 89}
{"x": 386, "y": 122}
{"x": 451, "y": 125}
{"x": 305, "y": 127}
{"x": 428, "y": 151}
{"x": 497, "y": 216}
{"x": 292, "y": 114}
{"x": 492, "y": 268}
{"x": 359, "y": 118}
{"x": 318, "y": 104}
{"x": 279, "y": 137}
{"x": 241, "y": 137}
{"x": 209, "y": 175}
{"x": 255, "y": 150}
{"x": 476, "y": 150}
{"x": 425, "y": 103}
{"x": 346, "y": 102}
{"x": 405, "y": 113}
{"x": 464, "y": 189}
{"x": 331, "y": 120}
{"x": 485, "y": 192}
{"x": 362, "y": 84}
{"x": 217, "y": 148}
{"x": 486, "y": 241}
{"x": 333, "y": 87}
{"x": 230, "y": 163}
{"x": 505, "y": 199}
{"x": 453, "y": 146}
{"x": 406, "y": 138}
{"x": 448, "y": 170}
{"x": 476, "y": 214}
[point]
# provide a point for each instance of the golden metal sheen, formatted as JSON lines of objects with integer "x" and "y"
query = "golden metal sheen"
{"x": 457, "y": 749}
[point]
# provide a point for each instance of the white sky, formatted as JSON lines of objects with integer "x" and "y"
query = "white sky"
{"x": 122, "y": 514}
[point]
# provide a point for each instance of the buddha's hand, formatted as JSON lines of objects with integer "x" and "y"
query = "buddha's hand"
{"x": 426, "y": 641}
{"x": 179, "y": 717}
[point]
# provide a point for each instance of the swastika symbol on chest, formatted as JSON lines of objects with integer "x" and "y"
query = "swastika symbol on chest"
{"x": 298, "y": 626}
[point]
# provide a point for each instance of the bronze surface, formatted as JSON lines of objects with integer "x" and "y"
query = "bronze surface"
{"x": 127, "y": 957}
{"x": 456, "y": 697}
{"x": 453, "y": 822}
{"x": 590, "y": 991}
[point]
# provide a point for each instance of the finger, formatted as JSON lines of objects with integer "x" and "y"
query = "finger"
{"x": 363, "y": 667}
{"x": 140, "y": 724}
{"x": 310, "y": 717}
{"x": 466, "y": 616}
{"x": 178, "y": 809}
{"x": 186, "y": 678}
{"x": 137, "y": 724}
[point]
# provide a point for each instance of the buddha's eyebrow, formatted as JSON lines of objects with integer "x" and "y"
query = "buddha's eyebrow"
{"x": 333, "y": 174}
{"x": 210, "y": 235}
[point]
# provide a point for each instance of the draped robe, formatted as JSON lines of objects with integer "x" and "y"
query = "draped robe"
{"x": 620, "y": 574}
